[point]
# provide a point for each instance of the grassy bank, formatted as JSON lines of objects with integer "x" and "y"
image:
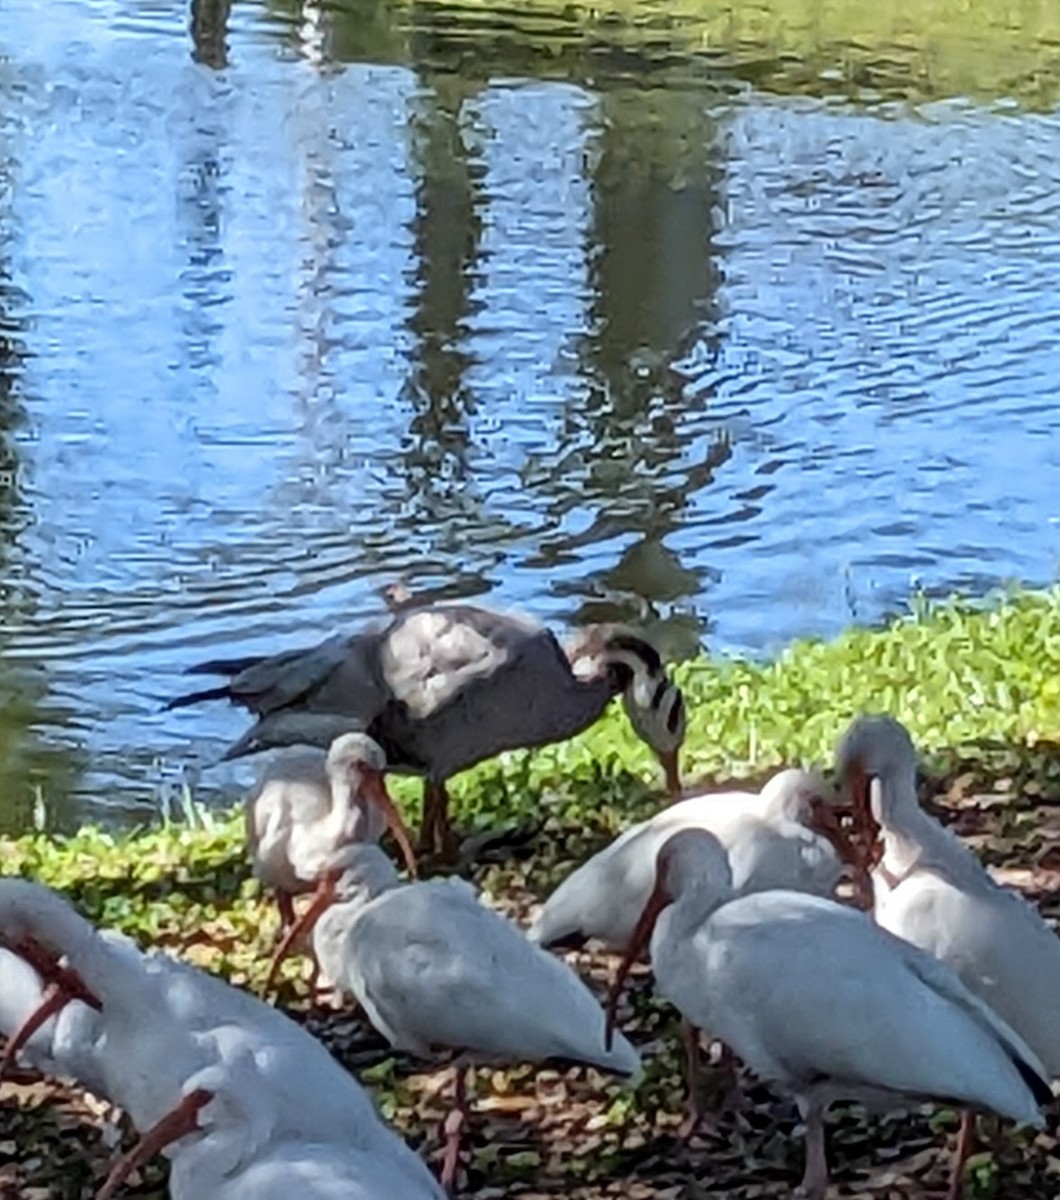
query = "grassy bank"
{"x": 979, "y": 687}
{"x": 918, "y": 50}
{"x": 977, "y": 684}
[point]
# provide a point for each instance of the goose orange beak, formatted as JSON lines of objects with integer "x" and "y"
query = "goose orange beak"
{"x": 671, "y": 768}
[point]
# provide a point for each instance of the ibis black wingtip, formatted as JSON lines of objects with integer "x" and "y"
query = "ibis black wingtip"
{"x": 1040, "y": 1089}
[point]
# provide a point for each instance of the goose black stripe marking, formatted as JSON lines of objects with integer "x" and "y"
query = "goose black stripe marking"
{"x": 677, "y": 713}
{"x": 661, "y": 688}
{"x": 639, "y": 648}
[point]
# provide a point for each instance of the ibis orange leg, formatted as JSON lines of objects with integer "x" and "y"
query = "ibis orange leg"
{"x": 180, "y": 1122}
{"x": 453, "y": 1127}
{"x": 965, "y": 1145}
{"x": 323, "y": 897}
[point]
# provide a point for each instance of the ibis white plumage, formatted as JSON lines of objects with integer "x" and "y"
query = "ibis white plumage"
{"x": 55, "y": 1033}
{"x": 127, "y": 1056}
{"x": 932, "y": 890}
{"x": 928, "y": 887}
{"x": 779, "y": 837}
{"x": 434, "y": 968}
{"x": 230, "y": 1135}
{"x": 162, "y": 1021}
{"x": 820, "y": 1001}
{"x": 308, "y": 803}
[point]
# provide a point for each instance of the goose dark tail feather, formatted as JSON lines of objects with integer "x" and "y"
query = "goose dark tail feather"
{"x": 216, "y": 666}
{"x": 222, "y": 692}
{"x": 225, "y": 666}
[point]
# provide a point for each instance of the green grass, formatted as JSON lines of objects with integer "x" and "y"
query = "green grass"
{"x": 979, "y": 687}
{"x": 892, "y": 50}
{"x": 975, "y": 683}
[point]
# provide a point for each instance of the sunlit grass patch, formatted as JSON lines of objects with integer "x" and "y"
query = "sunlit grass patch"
{"x": 979, "y": 687}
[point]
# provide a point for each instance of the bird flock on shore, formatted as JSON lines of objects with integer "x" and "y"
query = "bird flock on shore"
{"x": 836, "y": 939}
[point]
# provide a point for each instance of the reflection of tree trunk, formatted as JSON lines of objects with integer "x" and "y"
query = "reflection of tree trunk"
{"x": 654, "y": 283}
{"x": 655, "y": 191}
{"x": 446, "y": 232}
{"x": 654, "y": 198}
{"x": 11, "y": 355}
{"x": 9, "y": 417}
{"x": 27, "y": 764}
{"x": 209, "y": 31}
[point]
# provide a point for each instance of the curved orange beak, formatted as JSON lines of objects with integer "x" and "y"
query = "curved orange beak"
{"x": 375, "y": 788}
{"x": 657, "y": 901}
{"x": 179, "y": 1122}
{"x": 64, "y": 985}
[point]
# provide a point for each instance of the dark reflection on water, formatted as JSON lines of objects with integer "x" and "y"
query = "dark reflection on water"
{"x": 297, "y": 300}
{"x": 31, "y": 762}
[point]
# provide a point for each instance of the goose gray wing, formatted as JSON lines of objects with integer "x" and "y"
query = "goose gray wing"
{"x": 466, "y": 683}
{"x": 429, "y": 656}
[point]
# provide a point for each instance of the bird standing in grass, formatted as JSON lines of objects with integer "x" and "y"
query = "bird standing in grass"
{"x": 444, "y": 686}
{"x": 932, "y": 890}
{"x": 230, "y": 1134}
{"x": 435, "y": 969}
{"x": 161, "y": 1022}
{"x": 823, "y": 1003}
{"x": 779, "y": 837}
{"x": 307, "y": 804}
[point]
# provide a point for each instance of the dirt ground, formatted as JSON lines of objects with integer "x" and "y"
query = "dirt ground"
{"x": 573, "y": 1133}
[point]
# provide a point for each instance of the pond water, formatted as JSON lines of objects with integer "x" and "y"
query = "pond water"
{"x": 593, "y": 317}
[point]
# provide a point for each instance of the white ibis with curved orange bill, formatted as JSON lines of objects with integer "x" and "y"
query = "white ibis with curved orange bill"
{"x": 307, "y": 804}
{"x": 783, "y": 836}
{"x": 931, "y": 889}
{"x": 160, "y": 1021}
{"x": 821, "y": 1002}
{"x": 228, "y": 1136}
{"x": 434, "y": 968}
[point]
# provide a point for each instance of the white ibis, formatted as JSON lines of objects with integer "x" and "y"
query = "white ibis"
{"x": 780, "y": 837}
{"x": 139, "y": 1053}
{"x": 231, "y": 1135}
{"x": 160, "y": 1021}
{"x": 55, "y": 1032}
{"x": 821, "y": 1002}
{"x": 434, "y": 968}
{"x": 443, "y": 686}
{"x": 932, "y": 890}
{"x": 307, "y": 804}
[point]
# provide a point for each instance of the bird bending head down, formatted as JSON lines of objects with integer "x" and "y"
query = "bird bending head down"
{"x": 360, "y": 762}
{"x": 689, "y": 859}
{"x": 653, "y": 702}
{"x": 356, "y": 751}
{"x": 876, "y": 767}
{"x": 877, "y": 745}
